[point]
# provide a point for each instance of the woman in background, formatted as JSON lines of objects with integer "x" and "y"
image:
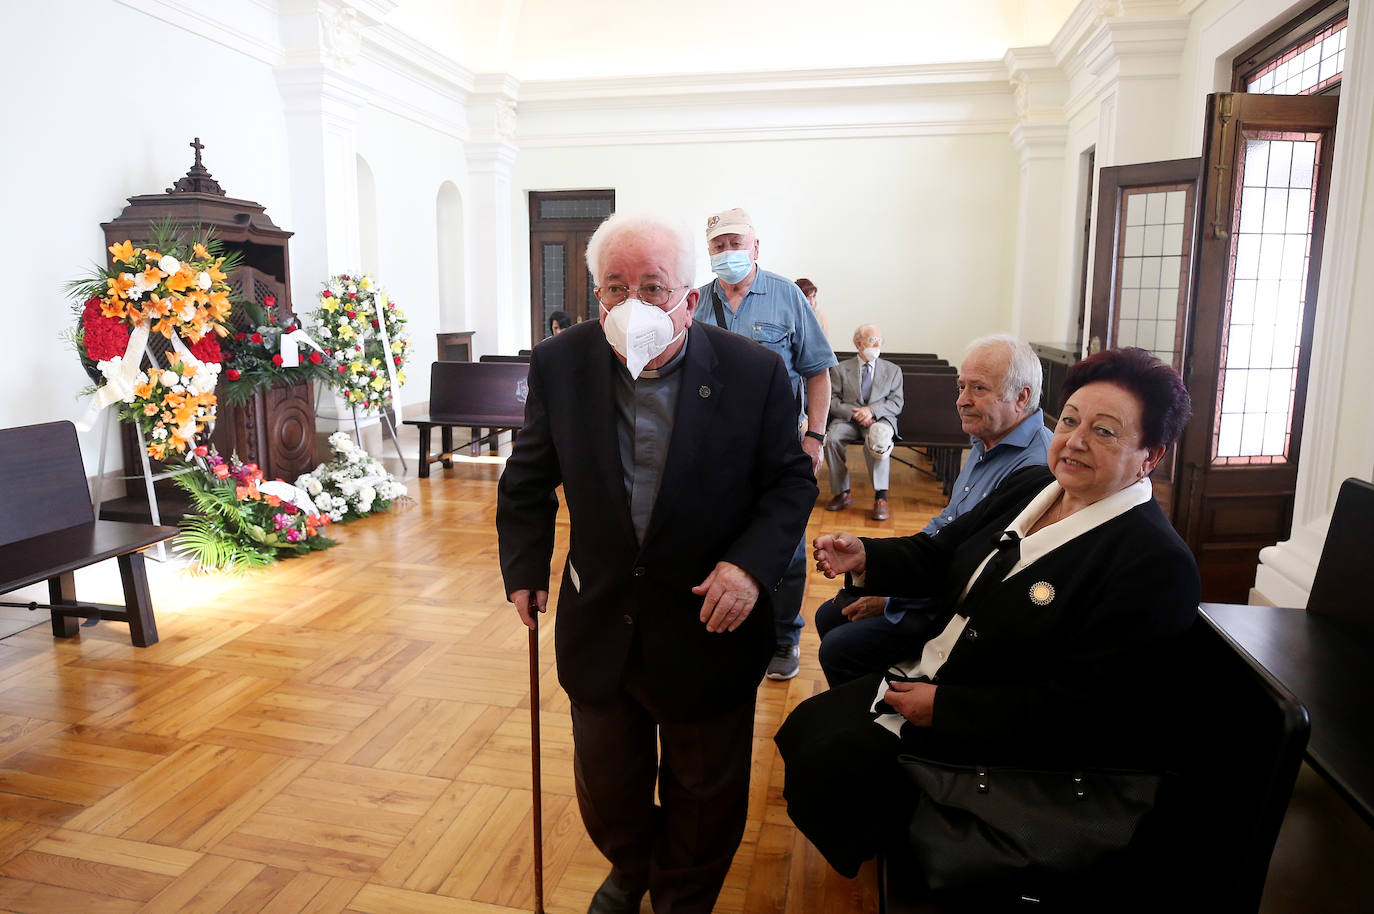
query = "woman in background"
{"x": 809, "y": 290}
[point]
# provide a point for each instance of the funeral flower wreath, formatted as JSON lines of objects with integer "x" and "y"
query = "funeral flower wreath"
{"x": 174, "y": 288}
{"x": 363, "y": 336}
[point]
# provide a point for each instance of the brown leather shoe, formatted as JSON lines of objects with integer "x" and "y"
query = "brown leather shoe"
{"x": 880, "y": 511}
{"x": 840, "y": 502}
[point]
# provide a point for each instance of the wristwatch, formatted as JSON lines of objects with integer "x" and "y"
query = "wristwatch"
{"x": 817, "y": 435}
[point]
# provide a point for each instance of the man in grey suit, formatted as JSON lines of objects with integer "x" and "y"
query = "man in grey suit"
{"x": 865, "y": 399}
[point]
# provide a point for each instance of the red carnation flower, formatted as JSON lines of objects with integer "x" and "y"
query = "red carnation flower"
{"x": 291, "y": 329}
{"x": 269, "y": 301}
{"x": 375, "y": 324}
{"x": 326, "y": 294}
{"x": 104, "y": 337}
{"x": 396, "y": 359}
{"x": 352, "y": 314}
{"x": 315, "y": 358}
{"x": 342, "y": 369}
{"x": 240, "y": 336}
{"x": 353, "y": 295}
{"x": 344, "y": 277}
{"x": 257, "y": 337}
{"x": 277, "y": 359}
{"x": 232, "y": 374}
{"x": 207, "y": 349}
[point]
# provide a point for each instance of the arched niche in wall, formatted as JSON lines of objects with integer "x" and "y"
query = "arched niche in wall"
{"x": 448, "y": 207}
{"x": 367, "y": 217}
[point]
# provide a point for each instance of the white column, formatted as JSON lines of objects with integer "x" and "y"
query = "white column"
{"x": 1136, "y": 62}
{"x": 321, "y": 101}
{"x": 1039, "y": 89}
{"x": 491, "y": 155}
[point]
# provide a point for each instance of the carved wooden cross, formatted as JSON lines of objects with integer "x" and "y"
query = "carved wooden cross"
{"x": 197, "y": 145}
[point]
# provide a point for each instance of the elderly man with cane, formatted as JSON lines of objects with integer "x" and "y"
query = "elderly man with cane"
{"x": 687, "y": 490}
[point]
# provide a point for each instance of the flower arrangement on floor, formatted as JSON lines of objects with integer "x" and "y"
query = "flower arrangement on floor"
{"x": 243, "y": 521}
{"x": 178, "y": 289}
{"x": 254, "y": 358}
{"x": 363, "y": 335}
{"x": 352, "y": 484}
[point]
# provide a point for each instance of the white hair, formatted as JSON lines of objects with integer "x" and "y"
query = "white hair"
{"x": 673, "y": 233}
{"x": 1023, "y": 366}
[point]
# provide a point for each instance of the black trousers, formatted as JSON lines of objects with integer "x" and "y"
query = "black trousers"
{"x": 843, "y": 786}
{"x": 682, "y": 848}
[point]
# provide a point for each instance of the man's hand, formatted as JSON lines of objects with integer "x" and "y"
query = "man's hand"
{"x": 864, "y": 416}
{"x": 865, "y": 608}
{"x": 838, "y": 553}
{"x": 521, "y": 599}
{"x": 815, "y": 452}
{"x": 730, "y": 593}
{"x": 913, "y": 700}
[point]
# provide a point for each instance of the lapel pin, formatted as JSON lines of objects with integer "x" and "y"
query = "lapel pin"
{"x": 1041, "y": 593}
{"x": 703, "y": 391}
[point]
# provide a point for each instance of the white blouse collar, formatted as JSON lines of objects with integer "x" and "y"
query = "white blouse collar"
{"x": 1057, "y": 534}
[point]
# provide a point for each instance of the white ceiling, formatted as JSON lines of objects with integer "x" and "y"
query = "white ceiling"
{"x": 561, "y": 39}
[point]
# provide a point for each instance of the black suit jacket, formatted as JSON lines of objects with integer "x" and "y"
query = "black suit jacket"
{"x": 1079, "y": 678}
{"x": 736, "y": 486}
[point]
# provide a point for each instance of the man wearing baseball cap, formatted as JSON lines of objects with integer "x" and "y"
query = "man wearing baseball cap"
{"x": 772, "y": 311}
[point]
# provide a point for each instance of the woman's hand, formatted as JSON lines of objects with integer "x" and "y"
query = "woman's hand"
{"x": 913, "y": 700}
{"x": 838, "y": 553}
{"x": 864, "y": 608}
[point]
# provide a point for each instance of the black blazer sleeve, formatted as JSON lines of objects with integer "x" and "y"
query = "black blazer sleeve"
{"x": 526, "y": 503}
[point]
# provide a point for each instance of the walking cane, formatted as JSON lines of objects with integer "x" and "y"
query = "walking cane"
{"x": 534, "y": 759}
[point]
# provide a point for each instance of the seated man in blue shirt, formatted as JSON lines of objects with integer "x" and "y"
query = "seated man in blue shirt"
{"x": 999, "y": 405}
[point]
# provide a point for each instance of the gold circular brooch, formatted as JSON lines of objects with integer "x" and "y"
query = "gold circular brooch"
{"x": 1041, "y": 593}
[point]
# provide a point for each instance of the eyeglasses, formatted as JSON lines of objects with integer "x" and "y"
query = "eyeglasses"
{"x": 651, "y": 293}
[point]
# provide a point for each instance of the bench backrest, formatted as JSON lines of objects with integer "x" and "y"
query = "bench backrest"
{"x": 928, "y": 414}
{"x": 1339, "y": 587}
{"x": 42, "y": 481}
{"x": 524, "y": 357}
{"x": 492, "y": 391}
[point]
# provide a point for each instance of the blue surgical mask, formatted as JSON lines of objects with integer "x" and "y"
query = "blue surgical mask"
{"x": 731, "y": 266}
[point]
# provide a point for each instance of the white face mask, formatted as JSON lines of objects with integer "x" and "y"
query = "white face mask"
{"x": 871, "y": 354}
{"x": 640, "y": 332}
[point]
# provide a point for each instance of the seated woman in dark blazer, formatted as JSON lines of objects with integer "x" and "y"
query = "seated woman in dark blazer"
{"x": 1050, "y": 657}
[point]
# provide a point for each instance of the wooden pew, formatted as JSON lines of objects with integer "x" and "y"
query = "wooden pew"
{"x": 48, "y": 531}
{"x": 523, "y": 357}
{"x": 930, "y": 422}
{"x": 474, "y": 395}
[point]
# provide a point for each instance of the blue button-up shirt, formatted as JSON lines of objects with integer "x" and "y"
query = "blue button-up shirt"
{"x": 1028, "y": 444}
{"x": 774, "y": 313}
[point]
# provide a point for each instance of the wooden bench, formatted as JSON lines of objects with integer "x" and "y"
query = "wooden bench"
{"x": 524, "y": 357}
{"x": 48, "y": 531}
{"x": 930, "y": 422}
{"x": 474, "y": 395}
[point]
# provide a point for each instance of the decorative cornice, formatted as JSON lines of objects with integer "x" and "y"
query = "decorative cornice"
{"x": 1137, "y": 47}
{"x": 1039, "y": 87}
{"x": 260, "y": 43}
{"x": 1039, "y": 141}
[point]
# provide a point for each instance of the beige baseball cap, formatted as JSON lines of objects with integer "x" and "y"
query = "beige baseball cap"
{"x": 730, "y": 221}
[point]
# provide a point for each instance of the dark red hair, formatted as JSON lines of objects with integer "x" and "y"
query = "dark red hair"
{"x": 1164, "y": 402}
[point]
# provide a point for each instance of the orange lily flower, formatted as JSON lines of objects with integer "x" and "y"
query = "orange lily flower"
{"x": 119, "y": 286}
{"x": 200, "y": 251}
{"x": 151, "y": 275}
{"x": 122, "y": 252}
{"x": 182, "y": 280}
{"x": 157, "y": 451}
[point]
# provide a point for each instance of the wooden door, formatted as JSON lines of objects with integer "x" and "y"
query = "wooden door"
{"x": 561, "y": 222}
{"x": 1146, "y": 232}
{"x": 1260, "y": 227}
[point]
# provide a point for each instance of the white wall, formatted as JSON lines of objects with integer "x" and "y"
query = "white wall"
{"x": 109, "y": 100}
{"x": 916, "y": 234}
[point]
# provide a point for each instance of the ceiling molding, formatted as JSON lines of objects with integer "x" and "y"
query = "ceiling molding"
{"x": 960, "y": 127}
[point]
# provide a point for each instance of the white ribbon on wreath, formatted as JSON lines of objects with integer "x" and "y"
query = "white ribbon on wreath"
{"x": 291, "y": 350}
{"x": 290, "y": 494}
{"x": 386, "y": 351}
{"x": 120, "y": 377}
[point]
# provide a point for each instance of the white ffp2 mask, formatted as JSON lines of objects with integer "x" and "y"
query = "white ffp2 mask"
{"x": 640, "y": 332}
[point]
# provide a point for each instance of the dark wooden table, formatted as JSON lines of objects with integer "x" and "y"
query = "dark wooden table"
{"x": 1329, "y": 665}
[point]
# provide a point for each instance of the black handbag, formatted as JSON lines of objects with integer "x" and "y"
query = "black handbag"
{"x": 1021, "y": 834}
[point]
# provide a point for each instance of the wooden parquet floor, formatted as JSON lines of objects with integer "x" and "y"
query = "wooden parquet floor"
{"x": 346, "y": 732}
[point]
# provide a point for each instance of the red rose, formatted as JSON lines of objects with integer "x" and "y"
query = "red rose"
{"x": 353, "y": 295}
{"x": 352, "y": 314}
{"x": 316, "y": 358}
{"x": 342, "y": 370}
{"x": 375, "y": 324}
{"x": 344, "y": 277}
{"x": 269, "y": 301}
{"x": 291, "y": 329}
{"x": 240, "y": 336}
{"x": 104, "y": 337}
{"x": 326, "y": 294}
{"x": 257, "y": 337}
{"x": 201, "y": 451}
{"x": 396, "y": 359}
{"x": 277, "y": 359}
{"x": 232, "y": 374}
{"x": 207, "y": 349}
